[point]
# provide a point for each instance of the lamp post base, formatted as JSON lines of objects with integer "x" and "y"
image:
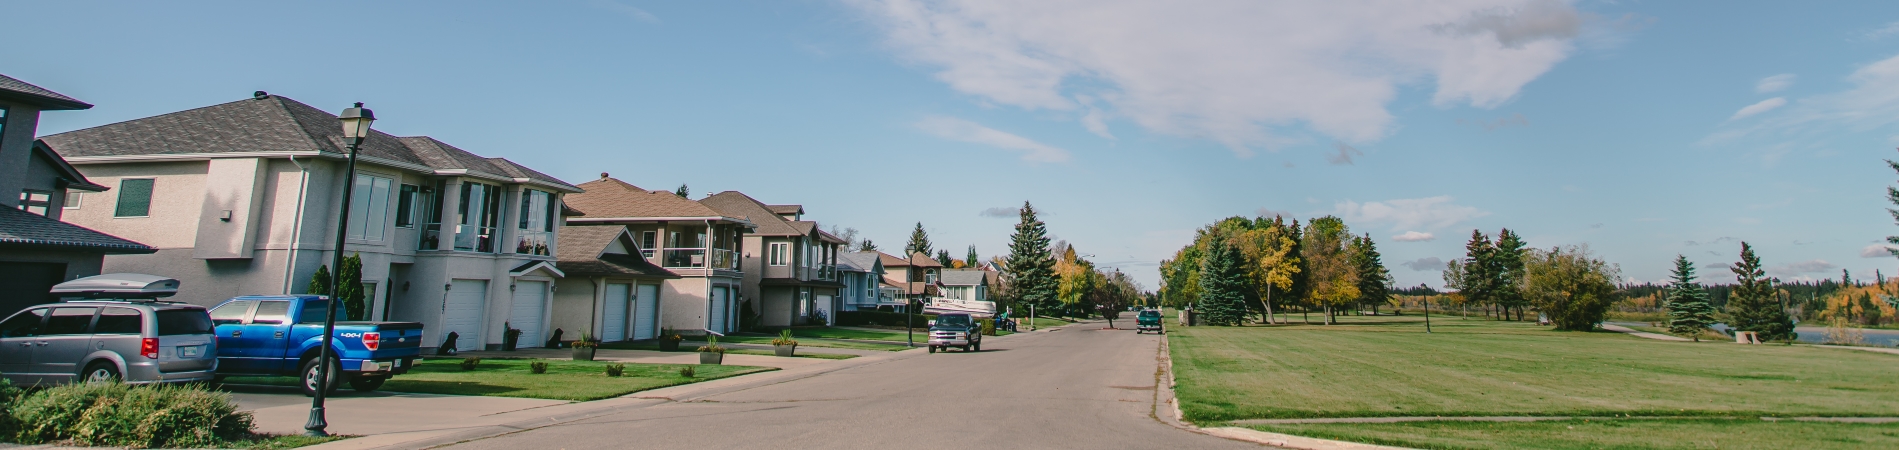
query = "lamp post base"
{"x": 315, "y": 427}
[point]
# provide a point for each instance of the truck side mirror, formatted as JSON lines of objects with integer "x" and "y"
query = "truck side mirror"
{"x": 933, "y": 323}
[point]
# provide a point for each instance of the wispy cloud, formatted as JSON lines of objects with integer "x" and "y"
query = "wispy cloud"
{"x": 1882, "y": 32}
{"x": 1424, "y": 264}
{"x": 1239, "y": 72}
{"x": 1757, "y": 108}
{"x": 1270, "y": 213}
{"x": 1412, "y": 213}
{"x": 1002, "y": 212}
{"x": 1414, "y": 236}
{"x": 966, "y": 131}
{"x": 1797, "y": 268}
{"x": 1344, "y": 155}
{"x": 1774, "y": 83}
{"x": 1876, "y": 251}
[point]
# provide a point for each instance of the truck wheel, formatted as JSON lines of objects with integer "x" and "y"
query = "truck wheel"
{"x": 932, "y": 349}
{"x": 976, "y": 346}
{"x": 310, "y": 377}
{"x": 366, "y": 384}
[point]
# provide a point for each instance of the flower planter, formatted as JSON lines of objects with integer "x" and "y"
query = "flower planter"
{"x": 507, "y": 343}
{"x": 583, "y": 353}
{"x": 784, "y": 350}
{"x": 668, "y": 345}
{"x": 713, "y": 358}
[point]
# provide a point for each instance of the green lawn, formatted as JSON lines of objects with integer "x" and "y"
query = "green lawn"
{"x": 564, "y": 380}
{"x": 694, "y": 346}
{"x": 1387, "y": 366}
{"x": 1600, "y": 434}
{"x": 693, "y": 342}
{"x": 841, "y": 333}
{"x": 1044, "y": 322}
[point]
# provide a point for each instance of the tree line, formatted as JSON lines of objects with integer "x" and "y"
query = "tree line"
{"x": 1054, "y": 280}
{"x": 1238, "y": 270}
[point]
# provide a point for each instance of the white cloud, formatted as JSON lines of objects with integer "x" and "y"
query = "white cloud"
{"x": 1414, "y": 236}
{"x": 1774, "y": 83}
{"x": 966, "y": 131}
{"x": 1876, "y": 251}
{"x": 1888, "y": 30}
{"x": 1872, "y": 103}
{"x": 1269, "y": 213}
{"x": 1002, "y": 212}
{"x": 1244, "y": 73}
{"x": 1424, "y": 264}
{"x": 1429, "y": 213}
{"x": 1757, "y": 108}
{"x": 1792, "y": 269}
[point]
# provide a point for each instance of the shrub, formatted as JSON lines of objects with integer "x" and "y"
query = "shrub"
{"x": 856, "y": 318}
{"x": 586, "y": 340}
{"x": 469, "y": 363}
{"x": 686, "y": 371}
{"x": 537, "y": 367}
{"x": 114, "y": 414}
{"x": 616, "y": 369}
{"x": 988, "y": 327}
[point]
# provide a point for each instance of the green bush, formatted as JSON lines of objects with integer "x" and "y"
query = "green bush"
{"x": 469, "y": 363}
{"x": 686, "y": 371}
{"x": 858, "y": 318}
{"x": 114, "y": 414}
{"x": 988, "y": 327}
{"x": 616, "y": 369}
{"x": 8, "y": 393}
{"x": 537, "y": 367}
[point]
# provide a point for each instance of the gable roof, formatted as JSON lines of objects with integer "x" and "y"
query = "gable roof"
{"x": 582, "y": 252}
{"x": 278, "y": 124}
{"x": 20, "y": 91}
{"x": 67, "y": 174}
{"x": 963, "y": 277}
{"x": 609, "y": 198}
{"x": 24, "y": 229}
{"x": 736, "y": 204}
{"x": 859, "y": 261}
{"x": 922, "y": 260}
{"x": 786, "y": 209}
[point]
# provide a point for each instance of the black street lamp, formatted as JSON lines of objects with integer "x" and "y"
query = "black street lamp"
{"x": 356, "y": 122}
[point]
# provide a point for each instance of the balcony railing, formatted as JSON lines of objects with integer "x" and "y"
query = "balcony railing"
{"x": 827, "y": 272}
{"x": 694, "y": 258}
{"x": 535, "y": 243}
{"x": 431, "y": 237}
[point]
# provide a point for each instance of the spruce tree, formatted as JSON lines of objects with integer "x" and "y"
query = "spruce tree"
{"x": 683, "y": 192}
{"x": 319, "y": 282}
{"x": 943, "y": 257}
{"x": 919, "y": 242}
{"x": 1688, "y": 309}
{"x": 1479, "y": 276}
{"x": 1222, "y": 285}
{"x": 1031, "y": 268}
{"x": 1507, "y": 268}
{"x": 971, "y": 259}
{"x": 866, "y": 246}
{"x": 1752, "y": 305}
{"x": 1374, "y": 280}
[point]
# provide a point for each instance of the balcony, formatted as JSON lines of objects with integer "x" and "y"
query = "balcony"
{"x": 828, "y": 273}
{"x": 695, "y": 258}
{"x": 535, "y": 243}
{"x": 431, "y": 237}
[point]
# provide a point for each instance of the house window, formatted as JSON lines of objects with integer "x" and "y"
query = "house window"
{"x": 72, "y": 199}
{"x": 3, "y": 122}
{"x": 369, "y": 208}
{"x": 135, "y": 198}
{"x": 982, "y": 293}
{"x": 536, "y": 224}
{"x": 405, "y": 205}
{"x": 480, "y": 210}
{"x": 779, "y": 253}
{"x": 37, "y": 202}
{"x": 430, "y": 202}
{"x": 649, "y": 240}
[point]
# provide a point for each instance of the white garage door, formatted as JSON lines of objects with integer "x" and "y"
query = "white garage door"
{"x": 824, "y": 303}
{"x": 716, "y": 321}
{"x": 613, "y": 314}
{"x": 530, "y": 306}
{"x": 646, "y": 317}
{"x": 462, "y": 314}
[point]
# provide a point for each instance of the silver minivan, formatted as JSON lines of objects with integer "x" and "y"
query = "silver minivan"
{"x": 97, "y": 340}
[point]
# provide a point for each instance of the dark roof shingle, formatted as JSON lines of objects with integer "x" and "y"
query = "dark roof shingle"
{"x": 21, "y": 228}
{"x": 736, "y": 204}
{"x": 20, "y": 91}
{"x": 608, "y": 198}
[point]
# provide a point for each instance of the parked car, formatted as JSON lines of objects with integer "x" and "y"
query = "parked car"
{"x": 112, "y": 328}
{"x": 955, "y": 330}
{"x": 1148, "y": 320}
{"x": 282, "y": 335}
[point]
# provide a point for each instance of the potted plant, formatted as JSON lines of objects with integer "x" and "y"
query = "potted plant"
{"x": 784, "y": 345}
{"x": 711, "y": 353}
{"x": 509, "y": 337}
{"x": 669, "y": 340}
{"x": 584, "y": 348}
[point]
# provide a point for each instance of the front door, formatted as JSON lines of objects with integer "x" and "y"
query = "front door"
{"x": 17, "y": 339}
{"x": 63, "y": 343}
{"x": 614, "y": 311}
{"x": 530, "y": 306}
{"x": 715, "y": 321}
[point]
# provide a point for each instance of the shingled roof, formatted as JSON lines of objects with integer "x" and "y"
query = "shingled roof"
{"x": 24, "y": 229}
{"x": 736, "y": 204}
{"x": 610, "y": 198}
{"x": 20, "y": 91}
{"x": 274, "y": 123}
{"x": 583, "y": 253}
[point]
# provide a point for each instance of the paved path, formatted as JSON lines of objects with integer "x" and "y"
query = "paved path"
{"x": 1074, "y": 387}
{"x": 1656, "y": 336}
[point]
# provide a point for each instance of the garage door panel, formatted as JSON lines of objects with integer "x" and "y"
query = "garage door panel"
{"x": 462, "y": 314}
{"x": 614, "y": 312}
{"x": 717, "y": 320}
{"x": 646, "y": 319}
{"x": 528, "y": 311}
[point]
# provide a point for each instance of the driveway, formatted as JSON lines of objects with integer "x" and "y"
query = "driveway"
{"x": 1075, "y": 387}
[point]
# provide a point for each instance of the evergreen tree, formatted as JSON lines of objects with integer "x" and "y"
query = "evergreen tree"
{"x": 683, "y": 192}
{"x": 1892, "y": 195}
{"x": 1222, "y": 286}
{"x": 919, "y": 242}
{"x": 866, "y": 246}
{"x": 1301, "y": 290}
{"x": 1752, "y": 305}
{"x": 319, "y": 282}
{"x": 1374, "y": 280}
{"x": 971, "y": 259}
{"x": 1030, "y": 267}
{"x": 1688, "y": 309}
{"x": 1507, "y": 268}
{"x": 351, "y": 293}
{"x": 943, "y": 257}
{"x": 1478, "y": 275}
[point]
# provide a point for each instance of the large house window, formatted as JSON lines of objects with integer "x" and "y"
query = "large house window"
{"x": 537, "y": 223}
{"x": 135, "y": 198}
{"x": 37, "y": 202}
{"x": 779, "y": 253}
{"x": 405, "y": 205}
{"x": 430, "y": 199}
{"x": 369, "y": 208}
{"x": 480, "y": 212}
{"x": 649, "y": 241}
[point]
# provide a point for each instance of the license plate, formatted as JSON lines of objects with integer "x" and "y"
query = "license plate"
{"x": 189, "y": 352}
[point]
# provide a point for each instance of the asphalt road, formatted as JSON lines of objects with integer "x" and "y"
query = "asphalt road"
{"x": 1078, "y": 387}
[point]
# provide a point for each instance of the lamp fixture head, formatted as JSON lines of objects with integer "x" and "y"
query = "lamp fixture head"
{"x": 356, "y": 122}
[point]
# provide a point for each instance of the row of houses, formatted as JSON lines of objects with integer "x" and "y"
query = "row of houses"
{"x": 241, "y": 198}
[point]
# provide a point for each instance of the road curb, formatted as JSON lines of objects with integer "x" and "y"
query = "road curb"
{"x": 1164, "y": 395}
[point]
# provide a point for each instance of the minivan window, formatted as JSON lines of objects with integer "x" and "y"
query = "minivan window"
{"x": 69, "y": 321}
{"x": 24, "y": 324}
{"x": 313, "y": 312}
{"x": 119, "y": 321}
{"x": 233, "y": 312}
{"x": 173, "y": 322}
{"x": 272, "y": 313}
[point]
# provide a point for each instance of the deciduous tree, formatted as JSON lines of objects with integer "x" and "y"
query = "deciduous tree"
{"x": 1571, "y": 285}
{"x": 1334, "y": 280}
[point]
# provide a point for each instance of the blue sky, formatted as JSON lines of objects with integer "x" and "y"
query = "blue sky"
{"x": 1643, "y": 129}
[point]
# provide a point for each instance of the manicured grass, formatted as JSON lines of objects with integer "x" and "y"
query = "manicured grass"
{"x": 1388, "y": 366}
{"x": 693, "y": 347}
{"x": 1044, "y": 322}
{"x": 1598, "y": 434}
{"x": 842, "y": 333}
{"x": 276, "y": 442}
{"x": 693, "y": 342}
{"x": 564, "y": 380}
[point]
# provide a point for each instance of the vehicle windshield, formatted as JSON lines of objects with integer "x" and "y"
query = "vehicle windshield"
{"x": 952, "y": 321}
{"x": 1150, "y": 313}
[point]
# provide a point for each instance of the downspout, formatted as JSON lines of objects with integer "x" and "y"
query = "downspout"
{"x": 296, "y": 224}
{"x": 708, "y": 275}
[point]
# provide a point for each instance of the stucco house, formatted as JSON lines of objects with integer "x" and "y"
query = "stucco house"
{"x": 791, "y": 269}
{"x": 696, "y": 245}
{"x": 861, "y": 273}
{"x": 916, "y": 277}
{"x": 608, "y": 287}
{"x": 242, "y": 198}
{"x": 37, "y": 250}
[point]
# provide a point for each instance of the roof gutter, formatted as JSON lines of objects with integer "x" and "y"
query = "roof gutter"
{"x": 318, "y": 154}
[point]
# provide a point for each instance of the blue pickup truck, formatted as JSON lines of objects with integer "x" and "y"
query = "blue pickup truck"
{"x": 281, "y": 335}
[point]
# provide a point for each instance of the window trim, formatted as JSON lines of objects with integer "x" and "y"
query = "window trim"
{"x": 151, "y": 191}
{"x": 777, "y": 256}
{"x": 73, "y": 200}
{"x": 407, "y": 193}
{"x": 27, "y": 201}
